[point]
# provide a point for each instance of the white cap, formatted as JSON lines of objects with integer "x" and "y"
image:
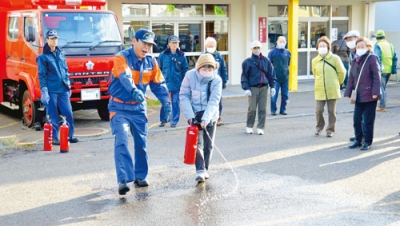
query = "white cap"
{"x": 256, "y": 43}
{"x": 352, "y": 33}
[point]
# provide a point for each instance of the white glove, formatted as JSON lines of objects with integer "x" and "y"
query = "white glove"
{"x": 247, "y": 93}
{"x": 272, "y": 92}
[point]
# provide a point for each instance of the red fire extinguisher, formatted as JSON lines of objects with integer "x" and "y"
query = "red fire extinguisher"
{"x": 64, "y": 131}
{"x": 192, "y": 132}
{"x": 48, "y": 135}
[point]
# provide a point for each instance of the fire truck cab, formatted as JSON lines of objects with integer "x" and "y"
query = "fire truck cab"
{"x": 88, "y": 36}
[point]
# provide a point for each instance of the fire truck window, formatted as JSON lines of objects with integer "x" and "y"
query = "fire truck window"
{"x": 31, "y": 21}
{"x": 13, "y": 27}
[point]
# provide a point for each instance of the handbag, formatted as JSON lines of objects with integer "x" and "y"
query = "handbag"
{"x": 353, "y": 95}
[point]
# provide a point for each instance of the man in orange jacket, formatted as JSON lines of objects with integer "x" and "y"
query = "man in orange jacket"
{"x": 133, "y": 71}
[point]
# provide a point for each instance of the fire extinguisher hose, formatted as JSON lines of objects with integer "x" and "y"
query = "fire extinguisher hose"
{"x": 228, "y": 163}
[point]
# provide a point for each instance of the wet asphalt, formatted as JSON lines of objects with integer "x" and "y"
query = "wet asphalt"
{"x": 287, "y": 176}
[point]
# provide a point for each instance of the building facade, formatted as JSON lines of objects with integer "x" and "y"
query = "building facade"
{"x": 235, "y": 23}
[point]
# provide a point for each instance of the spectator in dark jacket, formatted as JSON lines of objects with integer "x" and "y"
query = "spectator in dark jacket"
{"x": 211, "y": 48}
{"x": 340, "y": 48}
{"x": 257, "y": 74}
{"x": 368, "y": 90}
{"x": 174, "y": 66}
{"x": 280, "y": 58}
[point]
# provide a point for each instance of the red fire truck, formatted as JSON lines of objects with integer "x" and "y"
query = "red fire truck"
{"x": 89, "y": 37}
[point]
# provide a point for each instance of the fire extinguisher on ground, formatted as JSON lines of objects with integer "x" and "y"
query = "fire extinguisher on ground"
{"x": 192, "y": 132}
{"x": 48, "y": 135}
{"x": 64, "y": 131}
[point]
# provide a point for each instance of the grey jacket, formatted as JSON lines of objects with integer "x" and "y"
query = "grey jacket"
{"x": 193, "y": 96}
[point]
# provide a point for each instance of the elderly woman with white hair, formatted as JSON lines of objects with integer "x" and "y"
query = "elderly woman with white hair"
{"x": 211, "y": 48}
{"x": 199, "y": 95}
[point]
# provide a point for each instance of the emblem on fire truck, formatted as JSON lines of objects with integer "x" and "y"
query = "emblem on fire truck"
{"x": 89, "y": 65}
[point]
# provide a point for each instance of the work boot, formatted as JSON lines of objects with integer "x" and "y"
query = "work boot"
{"x": 123, "y": 188}
{"x": 141, "y": 183}
{"x": 73, "y": 140}
{"x": 219, "y": 122}
{"x": 381, "y": 109}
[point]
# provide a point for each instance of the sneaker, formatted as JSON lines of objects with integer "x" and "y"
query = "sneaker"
{"x": 73, "y": 140}
{"x": 56, "y": 141}
{"x": 141, "y": 183}
{"x": 162, "y": 124}
{"x": 260, "y": 131}
{"x": 219, "y": 122}
{"x": 317, "y": 133}
{"x": 283, "y": 113}
{"x": 352, "y": 139}
{"x": 249, "y": 130}
{"x": 200, "y": 177}
{"x": 173, "y": 125}
{"x": 206, "y": 175}
{"x": 123, "y": 188}
{"x": 273, "y": 113}
{"x": 329, "y": 134}
{"x": 381, "y": 109}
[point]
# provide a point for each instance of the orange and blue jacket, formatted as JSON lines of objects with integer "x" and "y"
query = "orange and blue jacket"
{"x": 127, "y": 76}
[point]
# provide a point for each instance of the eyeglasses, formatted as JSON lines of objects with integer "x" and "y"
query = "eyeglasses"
{"x": 208, "y": 66}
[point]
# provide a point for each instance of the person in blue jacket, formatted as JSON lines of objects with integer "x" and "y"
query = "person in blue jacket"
{"x": 55, "y": 85}
{"x": 200, "y": 94}
{"x": 174, "y": 66}
{"x": 211, "y": 48}
{"x": 280, "y": 59}
{"x": 133, "y": 71}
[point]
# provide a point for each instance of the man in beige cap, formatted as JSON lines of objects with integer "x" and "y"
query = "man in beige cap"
{"x": 257, "y": 74}
{"x": 388, "y": 59}
{"x": 200, "y": 93}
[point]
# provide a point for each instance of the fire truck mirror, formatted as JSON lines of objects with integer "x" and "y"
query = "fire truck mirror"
{"x": 30, "y": 34}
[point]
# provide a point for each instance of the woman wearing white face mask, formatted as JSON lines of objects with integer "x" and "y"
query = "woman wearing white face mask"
{"x": 364, "y": 71}
{"x": 200, "y": 93}
{"x": 329, "y": 73}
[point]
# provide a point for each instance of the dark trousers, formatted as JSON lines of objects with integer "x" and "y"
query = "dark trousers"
{"x": 205, "y": 148}
{"x": 364, "y": 113}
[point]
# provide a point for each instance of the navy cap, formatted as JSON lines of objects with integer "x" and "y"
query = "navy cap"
{"x": 173, "y": 38}
{"x": 146, "y": 36}
{"x": 51, "y": 34}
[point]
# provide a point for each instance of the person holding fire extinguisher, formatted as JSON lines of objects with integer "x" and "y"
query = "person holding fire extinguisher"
{"x": 200, "y": 93}
{"x": 133, "y": 71}
{"x": 55, "y": 85}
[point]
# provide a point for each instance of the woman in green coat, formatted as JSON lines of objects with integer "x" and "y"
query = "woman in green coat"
{"x": 329, "y": 73}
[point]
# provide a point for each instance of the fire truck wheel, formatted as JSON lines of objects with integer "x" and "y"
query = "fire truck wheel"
{"x": 102, "y": 110}
{"x": 30, "y": 112}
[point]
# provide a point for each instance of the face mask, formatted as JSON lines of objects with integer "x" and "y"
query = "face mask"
{"x": 281, "y": 45}
{"x": 351, "y": 44}
{"x": 206, "y": 74}
{"x": 361, "y": 52}
{"x": 211, "y": 50}
{"x": 256, "y": 52}
{"x": 323, "y": 50}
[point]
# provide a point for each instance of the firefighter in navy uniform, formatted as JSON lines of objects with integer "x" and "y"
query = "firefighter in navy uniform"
{"x": 133, "y": 71}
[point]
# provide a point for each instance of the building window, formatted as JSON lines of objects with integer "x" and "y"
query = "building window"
{"x": 217, "y": 10}
{"x": 176, "y": 10}
{"x": 340, "y": 11}
{"x": 135, "y": 10}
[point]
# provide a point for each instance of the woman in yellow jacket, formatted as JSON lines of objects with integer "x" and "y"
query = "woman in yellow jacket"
{"x": 329, "y": 73}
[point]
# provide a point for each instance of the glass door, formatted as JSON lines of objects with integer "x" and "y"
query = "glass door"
{"x": 190, "y": 38}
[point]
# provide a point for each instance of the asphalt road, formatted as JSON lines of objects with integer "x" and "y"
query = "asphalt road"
{"x": 288, "y": 176}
